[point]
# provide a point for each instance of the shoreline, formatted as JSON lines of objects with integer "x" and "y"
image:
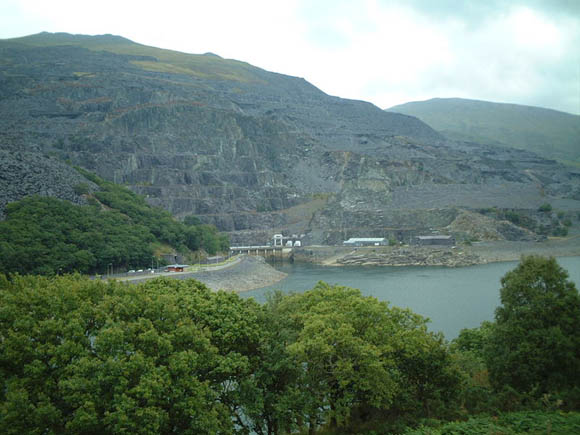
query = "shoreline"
{"x": 250, "y": 272}
{"x": 247, "y": 273}
{"x": 442, "y": 256}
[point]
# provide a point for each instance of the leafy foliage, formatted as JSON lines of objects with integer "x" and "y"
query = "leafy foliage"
{"x": 48, "y": 235}
{"x": 162, "y": 225}
{"x": 534, "y": 344}
{"x": 170, "y": 356}
{"x": 508, "y": 424}
{"x": 358, "y": 359}
{"x": 81, "y": 356}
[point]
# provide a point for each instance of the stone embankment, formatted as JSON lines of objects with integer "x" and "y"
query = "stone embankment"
{"x": 457, "y": 256}
{"x": 412, "y": 256}
{"x": 246, "y": 274}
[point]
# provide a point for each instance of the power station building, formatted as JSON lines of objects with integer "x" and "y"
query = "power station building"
{"x": 365, "y": 241}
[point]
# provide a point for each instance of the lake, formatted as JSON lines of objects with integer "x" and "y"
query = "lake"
{"x": 453, "y": 298}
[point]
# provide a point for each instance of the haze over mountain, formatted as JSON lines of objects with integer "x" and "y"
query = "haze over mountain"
{"x": 248, "y": 150}
{"x": 550, "y": 133}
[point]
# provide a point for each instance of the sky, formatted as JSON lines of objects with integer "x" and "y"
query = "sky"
{"x": 387, "y": 52}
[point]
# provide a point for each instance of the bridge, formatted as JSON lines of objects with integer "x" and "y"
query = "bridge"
{"x": 262, "y": 250}
{"x": 281, "y": 246}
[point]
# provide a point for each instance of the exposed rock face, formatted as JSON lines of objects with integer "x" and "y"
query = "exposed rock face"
{"x": 412, "y": 256}
{"x": 25, "y": 173}
{"x": 248, "y": 150}
{"x": 479, "y": 227}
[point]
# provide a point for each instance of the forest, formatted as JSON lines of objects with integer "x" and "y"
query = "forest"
{"x": 44, "y": 235}
{"x": 170, "y": 356}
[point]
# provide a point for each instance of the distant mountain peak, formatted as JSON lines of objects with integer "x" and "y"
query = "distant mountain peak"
{"x": 548, "y": 132}
{"x": 69, "y": 38}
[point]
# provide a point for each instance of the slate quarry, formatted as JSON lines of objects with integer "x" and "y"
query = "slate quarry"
{"x": 250, "y": 151}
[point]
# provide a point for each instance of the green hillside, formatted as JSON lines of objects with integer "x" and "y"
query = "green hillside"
{"x": 550, "y": 133}
{"x": 118, "y": 229}
{"x": 203, "y": 66}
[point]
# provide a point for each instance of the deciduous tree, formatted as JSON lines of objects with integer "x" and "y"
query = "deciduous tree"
{"x": 85, "y": 356}
{"x": 534, "y": 344}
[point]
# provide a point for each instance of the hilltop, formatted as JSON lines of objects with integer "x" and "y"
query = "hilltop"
{"x": 255, "y": 152}
{"x": 550, "y": 133}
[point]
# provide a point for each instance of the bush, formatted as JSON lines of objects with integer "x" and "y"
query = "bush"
{"x": 545, "y": 207}
{"x": 81, "y": 189}
{"x": 560, "y": 231}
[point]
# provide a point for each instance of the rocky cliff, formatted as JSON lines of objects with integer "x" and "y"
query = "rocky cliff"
{"x": 248, "y": 150}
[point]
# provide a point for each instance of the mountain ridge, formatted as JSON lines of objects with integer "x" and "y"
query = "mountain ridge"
{"x": 253, "y": 156}
{"x": 548, "y": 132}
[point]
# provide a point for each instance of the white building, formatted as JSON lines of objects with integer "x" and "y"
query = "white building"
{"x": 365, "y": 241}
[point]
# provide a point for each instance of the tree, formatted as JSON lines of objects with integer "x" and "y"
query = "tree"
{"x": 468, "y": 350}
{"x": 82, "y": 356}
{"x": 273, "y": 401}
{"x": 359, "y": 359}
{"x": 534, "y": 345}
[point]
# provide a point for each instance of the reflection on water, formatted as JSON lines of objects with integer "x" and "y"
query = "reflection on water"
{"x": 451, "y": 298}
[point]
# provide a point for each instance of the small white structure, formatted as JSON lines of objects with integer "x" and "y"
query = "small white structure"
{"x": 282, "y": 241}
{"x": 365, "y": 241}
{"x": 278, "y": 240}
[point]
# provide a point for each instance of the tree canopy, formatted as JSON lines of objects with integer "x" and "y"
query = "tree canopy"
{"x": 46, "y": 235}
{"x": 81, "y": 356}
{"x": 170, "y": 356}
{"x": 534, "y": 344}
{"x": 354, "y": 359}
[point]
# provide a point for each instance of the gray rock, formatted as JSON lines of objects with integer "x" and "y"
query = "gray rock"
{"x": 261, "y": 152}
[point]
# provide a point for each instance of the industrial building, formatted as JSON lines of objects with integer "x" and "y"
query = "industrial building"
{"x": 366, "y": 241}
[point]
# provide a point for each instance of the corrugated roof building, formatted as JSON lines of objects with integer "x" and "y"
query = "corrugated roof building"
{"x": 365, "y": 241}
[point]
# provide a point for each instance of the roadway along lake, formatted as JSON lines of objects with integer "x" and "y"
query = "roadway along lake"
{"x": 453, "y": 298}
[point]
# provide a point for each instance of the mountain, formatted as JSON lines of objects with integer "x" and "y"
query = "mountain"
{"x": 552, "y": 134}
{"x": 250, "y": 151}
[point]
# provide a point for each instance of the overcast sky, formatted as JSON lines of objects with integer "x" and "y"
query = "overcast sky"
{"x": 384, "y": 51}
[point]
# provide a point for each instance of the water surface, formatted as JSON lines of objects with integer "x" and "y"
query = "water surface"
{"x": 452, "y": 298}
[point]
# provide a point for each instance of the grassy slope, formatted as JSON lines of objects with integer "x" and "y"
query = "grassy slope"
{"x": 511, "y": 423}
{"x": 547, "y": 132}
{"x": 203, "y": 66}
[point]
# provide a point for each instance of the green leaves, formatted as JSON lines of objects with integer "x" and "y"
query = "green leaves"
{"x": 534, "y": 342}
{"x": 170, "y": 356}
{"x": 47, "y": 235}
{"x": 353, "y": 355}
{"x": 51, "y": 236}
{"x": 84, "y": 356}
